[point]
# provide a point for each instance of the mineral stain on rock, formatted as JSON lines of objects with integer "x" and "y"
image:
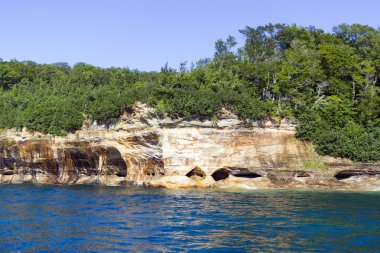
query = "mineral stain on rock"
{"x": 177, "y": 154}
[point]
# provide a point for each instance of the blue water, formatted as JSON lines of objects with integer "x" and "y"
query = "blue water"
{"x": 104, "y": 219}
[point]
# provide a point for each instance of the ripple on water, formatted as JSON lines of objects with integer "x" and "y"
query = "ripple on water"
{"x": 104, "y": 219}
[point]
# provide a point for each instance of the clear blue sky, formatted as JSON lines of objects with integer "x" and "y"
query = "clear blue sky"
{"x": 145, "y": 34}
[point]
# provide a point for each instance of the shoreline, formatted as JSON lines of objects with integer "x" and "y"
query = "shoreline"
{"x": 142, "y": 149}
{"x": 231, "y": 189}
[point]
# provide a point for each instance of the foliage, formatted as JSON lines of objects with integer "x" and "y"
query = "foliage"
{"x": 313, "y": 164}
{"x": 333, "y": 129}
{"x": 328, "y": 82}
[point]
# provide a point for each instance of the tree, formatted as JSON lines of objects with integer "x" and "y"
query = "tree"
{"x": 340, "y": 63}
{"x": 299, "y": 75}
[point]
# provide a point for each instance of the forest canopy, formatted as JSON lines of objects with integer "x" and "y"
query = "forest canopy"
{"x": 326, "y": 82}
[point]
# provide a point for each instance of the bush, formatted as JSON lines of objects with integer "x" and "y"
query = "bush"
{"x": 201, "y": 103}
{"x": 248, "y": 107}
{"x": 333, "y": 130}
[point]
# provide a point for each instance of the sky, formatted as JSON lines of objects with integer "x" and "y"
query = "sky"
{"x": 145, "y": 34}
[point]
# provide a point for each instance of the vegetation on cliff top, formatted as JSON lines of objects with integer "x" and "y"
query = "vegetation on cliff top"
{"x": 328, "y": 82}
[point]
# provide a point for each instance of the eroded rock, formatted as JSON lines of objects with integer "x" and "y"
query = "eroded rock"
{"x": 142, "y": 149}
{"x": 364, "y": 173}
{"x": 196, "y": 173}
{"x": 220, "y": 174}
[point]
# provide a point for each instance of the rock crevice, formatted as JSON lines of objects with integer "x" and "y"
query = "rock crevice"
{"x": 142, "y": 149}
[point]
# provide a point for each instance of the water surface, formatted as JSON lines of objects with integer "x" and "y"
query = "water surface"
{"x": 106, "y": 219}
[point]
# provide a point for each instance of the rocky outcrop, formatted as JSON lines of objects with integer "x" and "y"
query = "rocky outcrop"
{"x": 142, "y": 149}
{"x": 104, "y": 161}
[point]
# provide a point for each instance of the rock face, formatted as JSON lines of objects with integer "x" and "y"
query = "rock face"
{"x": 99, "y": 160}
{"x": 188, "y": 153}
{"x": 211, "y": 149}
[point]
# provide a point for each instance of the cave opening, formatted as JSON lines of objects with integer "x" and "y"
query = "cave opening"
{"x": 224, "y": 173}
{"x": 243, "y": 172}
{"x": 115, "y": 164}
{"x": 83, "y": 159}
{"x": 196, "y": 172}
{"x": 220, "y": 174}
{"x": 345, "y": 174}
{"x": 302, "y": 174}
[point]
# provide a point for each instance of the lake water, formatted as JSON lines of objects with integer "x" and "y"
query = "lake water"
{"x": 105, "y": 219}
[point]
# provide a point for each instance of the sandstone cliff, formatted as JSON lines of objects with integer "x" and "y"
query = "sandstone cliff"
{"x": 144, "y": 150}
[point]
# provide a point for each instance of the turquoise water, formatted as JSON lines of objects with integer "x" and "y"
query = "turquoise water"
{"x": 103, "y": 219}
